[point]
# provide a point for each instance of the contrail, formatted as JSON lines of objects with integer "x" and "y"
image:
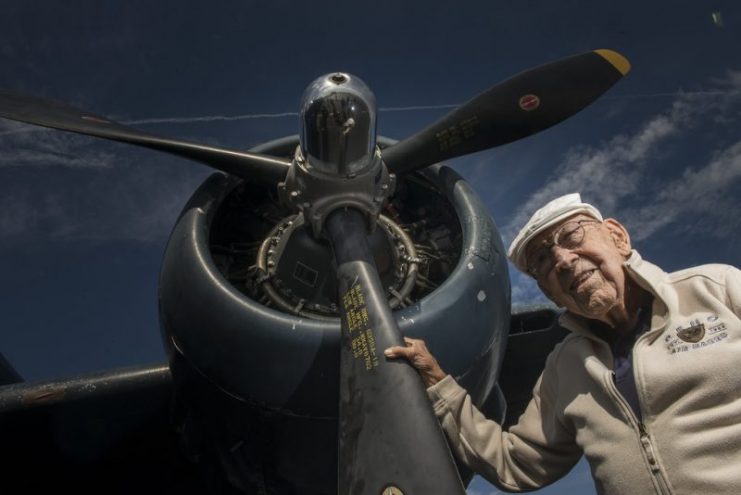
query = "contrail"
{"x": 214, "y": 118}
{"x": 250, "y": 116}
{"x": 229, "y": 118}
{"x": 226, "y": 118}
{"x": 210, "y": 118}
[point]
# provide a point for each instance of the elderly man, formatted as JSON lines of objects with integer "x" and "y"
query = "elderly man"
{"x": 647, "y": 385}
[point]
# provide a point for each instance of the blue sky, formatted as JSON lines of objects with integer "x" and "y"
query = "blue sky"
{"x": 83, "y": 223}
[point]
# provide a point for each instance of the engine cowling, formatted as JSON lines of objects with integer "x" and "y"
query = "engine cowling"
{"x": 224, "y": 324}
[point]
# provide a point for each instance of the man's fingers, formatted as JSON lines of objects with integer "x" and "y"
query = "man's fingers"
{"x": 413, "y": 348}
{"x": 398, "y": 351}
{"x": 401, "y": 351}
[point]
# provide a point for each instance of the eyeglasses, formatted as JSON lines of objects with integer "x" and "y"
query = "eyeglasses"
{"x": 569, "y": 236}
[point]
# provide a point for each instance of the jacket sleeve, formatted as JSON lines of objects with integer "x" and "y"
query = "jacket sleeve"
{"x": 537, "y": 451}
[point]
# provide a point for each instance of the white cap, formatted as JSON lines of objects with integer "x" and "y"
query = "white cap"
{"x": 559, "y": 209}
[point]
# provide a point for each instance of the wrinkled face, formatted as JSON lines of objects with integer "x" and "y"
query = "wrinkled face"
{"x": 589, "y": 279}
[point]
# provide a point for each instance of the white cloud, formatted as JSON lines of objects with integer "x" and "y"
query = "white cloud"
{"x": 23, "y": 148}
{"x": 119, "y": 192}
{"x": 707, "y": 191}
{"x": 618, "y": 173}
{"x": 138, "y": 201}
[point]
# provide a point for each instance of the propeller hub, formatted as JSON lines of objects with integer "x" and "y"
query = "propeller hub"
{"x": 338, "y": 124}
{"x": 337, "y": 163}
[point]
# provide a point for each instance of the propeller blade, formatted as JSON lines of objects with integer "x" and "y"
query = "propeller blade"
{"x": 47, "y": 113}
{"x": 527, "y": 103}
{"x": 389, "y": 438}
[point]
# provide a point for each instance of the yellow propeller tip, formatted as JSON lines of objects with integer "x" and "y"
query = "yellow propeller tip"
{"x": 618, "y": 61}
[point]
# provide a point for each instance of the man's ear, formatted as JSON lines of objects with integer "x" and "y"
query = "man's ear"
{"x": 619, "y": 235}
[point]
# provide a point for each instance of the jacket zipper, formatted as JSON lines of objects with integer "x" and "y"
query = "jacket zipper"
{"x": 648, "y": 448}
{"x": 643, "y": 436}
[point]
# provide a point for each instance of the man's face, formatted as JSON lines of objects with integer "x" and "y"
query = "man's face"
{"x": 589, "y": 279}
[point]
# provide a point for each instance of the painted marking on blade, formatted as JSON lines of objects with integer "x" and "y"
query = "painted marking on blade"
{"x": 98, "y": 120}
{"x": 453, "y": 135}
{"x": 529, "y": 102}
{"x": 362, "y": 338}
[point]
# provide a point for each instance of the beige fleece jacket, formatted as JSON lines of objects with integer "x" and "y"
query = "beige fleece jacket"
{"x": 690, "y": 393}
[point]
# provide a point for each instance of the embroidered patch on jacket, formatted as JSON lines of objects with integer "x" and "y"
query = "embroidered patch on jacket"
{"x": 693, "y": 333}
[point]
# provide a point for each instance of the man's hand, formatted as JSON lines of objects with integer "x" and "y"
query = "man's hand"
{"x": 417, "y": 354}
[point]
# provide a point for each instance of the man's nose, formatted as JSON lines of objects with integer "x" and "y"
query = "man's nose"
{"x": 563, "y": 258}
